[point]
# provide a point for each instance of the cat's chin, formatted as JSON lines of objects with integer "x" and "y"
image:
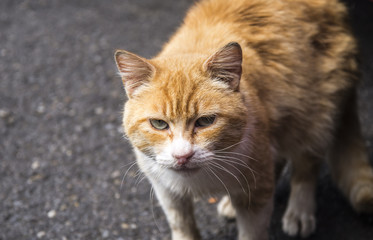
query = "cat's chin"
{"x": 186, "y": 170}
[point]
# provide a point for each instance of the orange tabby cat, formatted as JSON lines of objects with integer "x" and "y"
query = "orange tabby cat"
{"x": 240, "y": 85}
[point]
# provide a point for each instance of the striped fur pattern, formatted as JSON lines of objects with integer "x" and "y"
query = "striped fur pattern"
{"x": 240, "y": 86}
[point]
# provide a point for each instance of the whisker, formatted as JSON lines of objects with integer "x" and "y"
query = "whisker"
{"x": 241, "y": 163}
{"x": 230, "y": 198}
{"x": 235, "y": 144}
{"x": 243, "y": 175}
{"x": 142, "y": 179}
{"x": 152, "y": 207}
{"x": 124, "y": 176}
{"x": 226, "y": 170}
{"x": 125, "y": 165}
{"x": 240, "y": 154}
{"x": 233, "y": 160}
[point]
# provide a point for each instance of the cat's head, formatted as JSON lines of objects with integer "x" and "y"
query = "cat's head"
{"x": 185, "y": 110}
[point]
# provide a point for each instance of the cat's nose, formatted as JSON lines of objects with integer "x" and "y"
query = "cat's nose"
{"x": 184, "y": 158}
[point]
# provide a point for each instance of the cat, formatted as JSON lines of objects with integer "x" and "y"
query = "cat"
{"x": 241, "y": 86}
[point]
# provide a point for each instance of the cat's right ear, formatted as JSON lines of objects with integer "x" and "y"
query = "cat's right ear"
{"x": 134, "y": 70}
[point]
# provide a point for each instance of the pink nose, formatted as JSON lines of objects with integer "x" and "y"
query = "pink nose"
{"x": 183, "y": 158}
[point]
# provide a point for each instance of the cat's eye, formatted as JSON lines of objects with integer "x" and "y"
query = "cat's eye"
{"x": 205, "y": 121}
{"x": 159, "y": 124}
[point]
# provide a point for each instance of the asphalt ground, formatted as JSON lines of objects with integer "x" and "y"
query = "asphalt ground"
{"x": 62, "y": 151}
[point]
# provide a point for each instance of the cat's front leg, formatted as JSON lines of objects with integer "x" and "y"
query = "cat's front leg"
{"x": 179, "y": 213}
{"x": 252, "y": 219}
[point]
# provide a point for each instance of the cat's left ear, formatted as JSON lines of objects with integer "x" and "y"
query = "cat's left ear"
{"x": 226, "y": 65}
{"x": 134, "y": 70}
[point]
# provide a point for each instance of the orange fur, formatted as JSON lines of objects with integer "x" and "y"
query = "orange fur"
{"x": 290, "y": 99}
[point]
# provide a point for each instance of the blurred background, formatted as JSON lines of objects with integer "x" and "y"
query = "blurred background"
{"x": 62, "y": 151}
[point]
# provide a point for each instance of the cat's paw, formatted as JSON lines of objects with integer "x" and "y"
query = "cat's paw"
{"x": 177, "y": 235}
{"x": 226, "y": 209}
{"x": 296, "y": 221}
{"x": 362, "y": 197}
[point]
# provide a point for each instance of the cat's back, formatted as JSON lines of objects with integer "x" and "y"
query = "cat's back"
{"x": 210, "y": 24}
{"x": 299, "y": 55}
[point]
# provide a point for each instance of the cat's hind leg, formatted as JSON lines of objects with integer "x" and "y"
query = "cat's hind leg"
{"x": 299, "y": 217}
{"x": 349, "y": 162}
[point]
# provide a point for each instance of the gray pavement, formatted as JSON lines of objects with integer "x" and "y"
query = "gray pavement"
{"x": 62, "y": 151}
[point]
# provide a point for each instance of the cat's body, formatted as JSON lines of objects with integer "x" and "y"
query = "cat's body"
{"x": 209, "y": 116}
